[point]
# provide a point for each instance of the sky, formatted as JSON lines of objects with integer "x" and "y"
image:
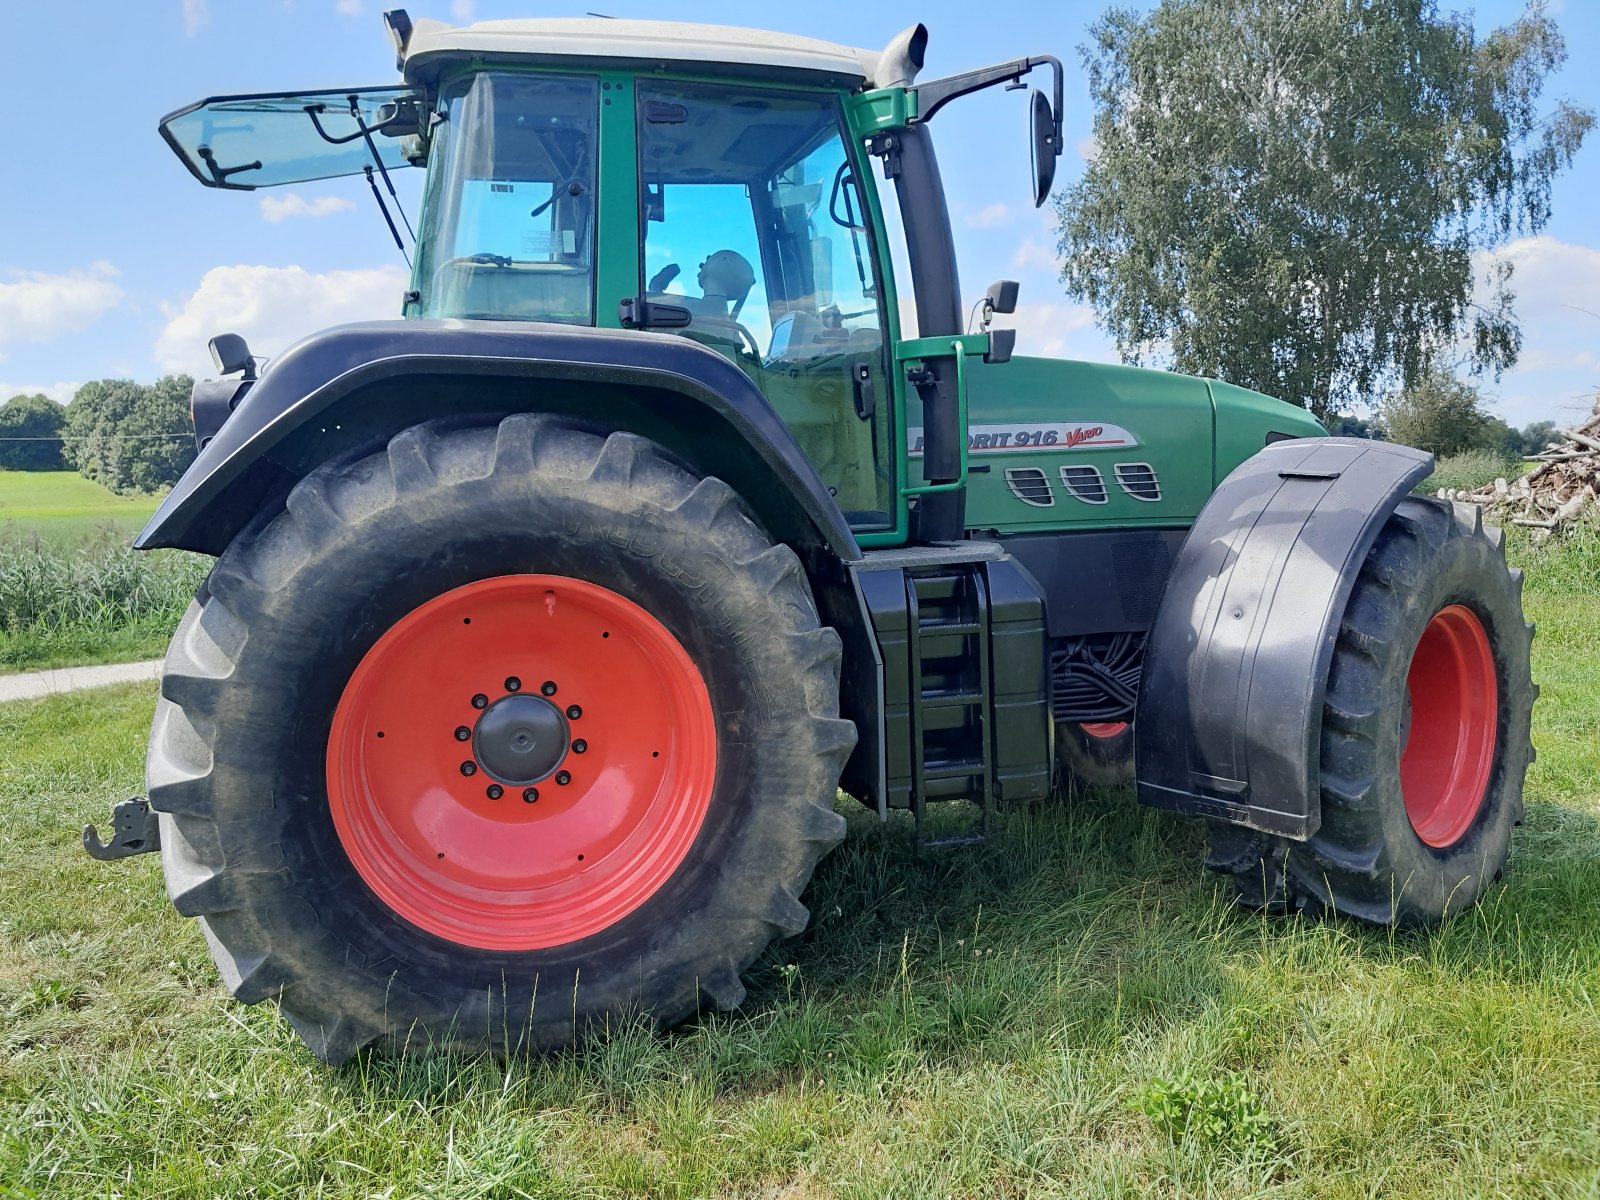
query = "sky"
{"x": 115, "y": 262}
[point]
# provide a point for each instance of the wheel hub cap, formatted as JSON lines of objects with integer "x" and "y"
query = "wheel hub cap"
{"x": 521, "y": 739}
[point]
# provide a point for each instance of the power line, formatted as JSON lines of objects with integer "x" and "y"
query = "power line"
{"x": 109, "y": 437}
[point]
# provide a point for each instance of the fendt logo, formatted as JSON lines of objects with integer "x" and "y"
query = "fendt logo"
{"x": 994, "y": 439}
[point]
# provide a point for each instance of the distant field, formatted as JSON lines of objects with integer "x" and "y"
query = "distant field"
{"x": 63, "y": 506}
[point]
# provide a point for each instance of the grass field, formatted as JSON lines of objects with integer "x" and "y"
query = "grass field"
{"x": 1034, "y": 1017}
{"x": 62, "y": 507}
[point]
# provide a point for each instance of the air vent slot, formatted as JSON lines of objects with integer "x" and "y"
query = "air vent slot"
{"x": 1139, "y": 481}
{"x": 1086, "y": 483}
{"x": 1030, "y": 485}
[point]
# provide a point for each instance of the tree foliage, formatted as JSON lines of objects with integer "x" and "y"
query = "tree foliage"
{"x": 131, "y": 437}
{"x": 29, "y": 427}
{"x": 1289, "y": 193}
{"x": 1443, "y": 414}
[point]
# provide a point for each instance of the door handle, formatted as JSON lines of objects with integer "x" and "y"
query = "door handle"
{"x": 864, "y": 394}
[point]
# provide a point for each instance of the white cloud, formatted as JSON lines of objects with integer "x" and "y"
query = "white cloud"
{"x": 273, "y": 307}
{"x": 1046, "y": 331}
{"x": 195, "y": 14}
{"x": 462, "y": 10}
{"x": 36, "y": 307}
{"x": 992, "y": 217}
{"x": 1032, "y": 254}
{"x": 59, "y": 392}
{"x": 1557, "y": 286}
{"x": 292, "y": 204}
{"x": 350, "y": 8}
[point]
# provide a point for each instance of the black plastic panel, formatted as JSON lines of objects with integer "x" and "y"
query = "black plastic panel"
{"x": 1099, "y": 582}
{"x": 1230, "y": 706}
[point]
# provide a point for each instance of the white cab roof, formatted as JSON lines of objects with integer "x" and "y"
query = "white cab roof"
{"x": 650, "y": 44}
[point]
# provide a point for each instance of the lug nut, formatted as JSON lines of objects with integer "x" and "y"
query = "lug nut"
{"x": 494, "y": 791}
{"x": 480, "y": 701}
{"x": 579, "y": 746}
{"x": 513, "y": 684}
{"x": 548, "y": 687}
{"x": 573, "y": 712}
{"x": 463, "y": 733}
{"x": 563, "y": 777}
{"x": 469, "y": 768}
{"x": 529, "y": 795}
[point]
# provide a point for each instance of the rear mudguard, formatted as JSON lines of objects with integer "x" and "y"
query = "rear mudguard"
{"x": 1229, "y": 717}
{"x": 337, "y": 391}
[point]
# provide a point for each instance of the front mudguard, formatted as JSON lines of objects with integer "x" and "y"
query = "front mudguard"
{"x": 1229, "y": 715}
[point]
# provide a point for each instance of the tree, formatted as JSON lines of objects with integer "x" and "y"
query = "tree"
{"x": 1289, "y": 193}
{"x": 1442, "y": 414}
{"x": 128, "y": 437}
{"x": 29, "y": 427}
{"x": 1350, "y": 425}
{"x": 1539, "y": 436}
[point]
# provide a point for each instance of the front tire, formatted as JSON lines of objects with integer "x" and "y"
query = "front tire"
{"x": 1098, "y": 754}
{"x": 308, "y": 760}
{"x": 1425, "y": 734}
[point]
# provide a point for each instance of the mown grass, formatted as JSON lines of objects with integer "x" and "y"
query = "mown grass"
{"x": 63, "y": 507}
{"x": 1071, "y": 1010}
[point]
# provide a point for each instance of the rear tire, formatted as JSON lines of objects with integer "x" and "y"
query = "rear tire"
{"x": 1096, "y": 754}
{"x": 1425, "y": 734}
{"x": 263, "y": 737}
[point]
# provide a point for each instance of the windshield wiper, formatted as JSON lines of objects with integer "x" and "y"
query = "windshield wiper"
{"x": 363, "y": 132}
{"x": 220, "y": 174}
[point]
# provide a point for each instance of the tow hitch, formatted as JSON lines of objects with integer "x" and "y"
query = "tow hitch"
{"x": 135, "y": 829}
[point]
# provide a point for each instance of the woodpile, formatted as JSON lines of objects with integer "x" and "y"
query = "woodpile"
{"x": 1555, "y": 494}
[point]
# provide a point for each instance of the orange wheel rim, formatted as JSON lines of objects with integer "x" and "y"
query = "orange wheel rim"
{"x": 1449, "y": 746}
{"x": 1104, "y": 730}
{"x": 521, "y": 762}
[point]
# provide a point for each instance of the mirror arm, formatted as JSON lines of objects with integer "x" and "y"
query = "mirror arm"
{"x": 931, "y": 97}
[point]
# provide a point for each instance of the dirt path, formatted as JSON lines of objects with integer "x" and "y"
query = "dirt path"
{"x": 34, "y": 684}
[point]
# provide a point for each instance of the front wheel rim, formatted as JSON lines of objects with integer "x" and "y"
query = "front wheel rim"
{"x": 1448, "y": 753}
{"x": 1103, "y": 730}
{"x": 521, "y": 762}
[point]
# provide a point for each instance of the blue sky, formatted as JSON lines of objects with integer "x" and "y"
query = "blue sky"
{"x": 114, "y": 261}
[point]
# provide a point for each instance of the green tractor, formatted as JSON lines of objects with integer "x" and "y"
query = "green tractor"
{"x": 548, "y": 624}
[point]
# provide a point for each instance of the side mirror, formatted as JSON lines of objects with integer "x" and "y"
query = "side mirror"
{"x": 231, "y": 355}
{"x": 1002, "y": 296}
{"x": 1001, "y": 343}
{"x": 1045, "y": 148}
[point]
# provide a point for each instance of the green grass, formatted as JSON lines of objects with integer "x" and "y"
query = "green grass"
{"x": 1071, "y": 1010}
{"x": 1472, "y": 469}
{"x": 96, "y": 600}
{"x": 61, "y": 507}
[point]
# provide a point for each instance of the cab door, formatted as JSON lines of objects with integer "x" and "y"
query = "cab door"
{"x": 751, "y": 220}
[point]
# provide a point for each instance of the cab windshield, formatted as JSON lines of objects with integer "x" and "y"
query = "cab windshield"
{"x": 509, "y": 231}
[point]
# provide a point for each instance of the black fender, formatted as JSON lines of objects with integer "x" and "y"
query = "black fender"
{"x": 340, "y": 390}
{"x": 1229, "y": 715}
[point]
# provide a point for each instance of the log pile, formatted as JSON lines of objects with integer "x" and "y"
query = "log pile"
{"x": 1557, "y": 493}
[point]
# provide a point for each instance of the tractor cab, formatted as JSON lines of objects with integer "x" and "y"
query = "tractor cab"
{"x": 685, "y": 179}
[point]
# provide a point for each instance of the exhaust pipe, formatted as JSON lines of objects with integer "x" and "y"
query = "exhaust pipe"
{"x": 902, "y": 58}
